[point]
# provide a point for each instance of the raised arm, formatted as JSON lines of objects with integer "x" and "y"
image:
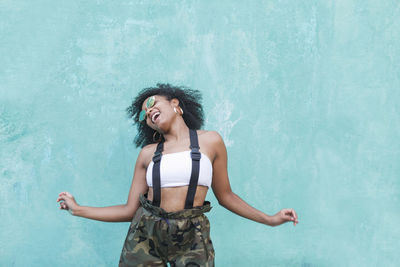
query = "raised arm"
{"x": 118, "y": 213}
{"x": 233, "y": 202}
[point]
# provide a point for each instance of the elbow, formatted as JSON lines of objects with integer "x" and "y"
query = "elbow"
{"x": 128, "y": 217}
{"x": 226, "y": 199}
{"x": 130, "y": 212}
{"x": 221, "y": 202}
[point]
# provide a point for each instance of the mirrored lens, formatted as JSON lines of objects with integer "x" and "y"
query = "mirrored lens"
{"x": 142, "y": 115}
{"x": 150, "y": 102}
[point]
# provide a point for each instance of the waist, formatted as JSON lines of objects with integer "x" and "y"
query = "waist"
{"x": 173, "y": 198}
{"x": 181, "y": 214}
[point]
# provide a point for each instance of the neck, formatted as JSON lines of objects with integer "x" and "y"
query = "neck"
{"x": 177, "y": 131}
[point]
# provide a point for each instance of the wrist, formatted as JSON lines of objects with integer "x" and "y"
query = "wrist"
{"x": 76, "y": 211}
{"x": 273, "y": 221}
{"x": 269, "y": 220}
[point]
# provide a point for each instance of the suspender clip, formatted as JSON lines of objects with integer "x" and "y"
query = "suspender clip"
{"x": 157, "y": 157}
{"x": 195, "y": 153}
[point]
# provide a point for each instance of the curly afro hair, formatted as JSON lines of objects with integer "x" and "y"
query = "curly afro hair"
{"x": 189, "y": 101}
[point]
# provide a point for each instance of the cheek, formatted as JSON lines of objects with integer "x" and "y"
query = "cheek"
{"x": 168, "y": 112}
{"x": 165, "y": 116}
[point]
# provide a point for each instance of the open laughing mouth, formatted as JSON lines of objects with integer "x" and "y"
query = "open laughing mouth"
{"x": 155, "y": 116}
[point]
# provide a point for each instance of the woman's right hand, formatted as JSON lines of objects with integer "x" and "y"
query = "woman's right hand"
{"x": 67, "y": 202}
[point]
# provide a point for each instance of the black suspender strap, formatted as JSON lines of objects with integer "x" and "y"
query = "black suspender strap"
{"x": 156, "y": 174}
{"x": 194, "y": 177}
{"x": 195, "y": 155}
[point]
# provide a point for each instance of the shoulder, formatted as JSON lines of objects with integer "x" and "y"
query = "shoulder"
{"x": 146, "y": 154}
{"x": 213, "y": 139}
{"x": 150, "y": 148}
{"x": 211, "y": 136}
{"x": 215, "y": 144}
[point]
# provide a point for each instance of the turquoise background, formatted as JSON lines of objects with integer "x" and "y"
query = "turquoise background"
{"x": 305, "y": 94}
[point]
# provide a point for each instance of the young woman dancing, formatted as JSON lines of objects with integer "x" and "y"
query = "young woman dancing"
{"x": 176, "y": 166}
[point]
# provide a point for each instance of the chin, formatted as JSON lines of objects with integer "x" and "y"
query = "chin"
{"x": 158, "y": 127}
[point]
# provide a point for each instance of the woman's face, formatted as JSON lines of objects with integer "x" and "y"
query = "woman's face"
{"x": 159, "y": 111}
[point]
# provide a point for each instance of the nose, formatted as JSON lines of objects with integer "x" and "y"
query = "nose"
{"x": 148, "y": 111}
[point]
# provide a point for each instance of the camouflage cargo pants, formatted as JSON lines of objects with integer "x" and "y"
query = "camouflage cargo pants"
{"x": 156, "y": 237}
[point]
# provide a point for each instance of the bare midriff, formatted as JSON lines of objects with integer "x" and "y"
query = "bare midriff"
{"x": 173, "y": 198}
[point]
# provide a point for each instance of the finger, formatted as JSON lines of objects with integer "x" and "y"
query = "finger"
{"x": 295, "y": 214}
{"x": 288, "y": 211}
{"x": 289, "y": 215}
{"x": 296, "y": 220}
{"x": 287, "y": 218}
{"x": 65, "y": 194}
{"x": 285, "y": 211}
{"x": 292, "y": 214}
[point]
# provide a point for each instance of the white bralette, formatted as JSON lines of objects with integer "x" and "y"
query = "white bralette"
{"x": 176, "y": 168}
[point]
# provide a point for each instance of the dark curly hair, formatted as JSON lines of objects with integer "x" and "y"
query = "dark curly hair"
{"x": 189, "y": 101}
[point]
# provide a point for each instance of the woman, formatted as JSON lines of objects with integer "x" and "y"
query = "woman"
{"x": 173, "y": 172}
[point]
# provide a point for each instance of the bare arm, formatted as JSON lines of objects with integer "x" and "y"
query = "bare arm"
{"x": 233, "y": 202}
{"x": 118, "y": 213}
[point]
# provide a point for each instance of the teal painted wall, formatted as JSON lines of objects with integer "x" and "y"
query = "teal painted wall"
{"x": 305, "y": 94}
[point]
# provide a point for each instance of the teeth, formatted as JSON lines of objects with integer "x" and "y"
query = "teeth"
{"x": 154, "y": 115}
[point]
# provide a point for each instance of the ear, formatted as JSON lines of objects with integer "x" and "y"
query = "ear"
{"x": 175, "y": 102}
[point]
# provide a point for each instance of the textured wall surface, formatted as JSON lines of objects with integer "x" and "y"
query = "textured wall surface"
{"x": 305, "y": 94}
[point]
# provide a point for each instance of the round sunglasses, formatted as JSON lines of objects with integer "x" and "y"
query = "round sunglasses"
{"x": 149, "y": 103}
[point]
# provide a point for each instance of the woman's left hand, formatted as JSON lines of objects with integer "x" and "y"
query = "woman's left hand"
{"x": 283, "y": 216}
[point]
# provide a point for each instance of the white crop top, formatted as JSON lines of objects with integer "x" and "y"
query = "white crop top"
{"x": 176, "y": 169}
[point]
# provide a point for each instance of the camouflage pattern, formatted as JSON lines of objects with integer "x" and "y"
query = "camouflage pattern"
{"x": 156, "y": 237}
